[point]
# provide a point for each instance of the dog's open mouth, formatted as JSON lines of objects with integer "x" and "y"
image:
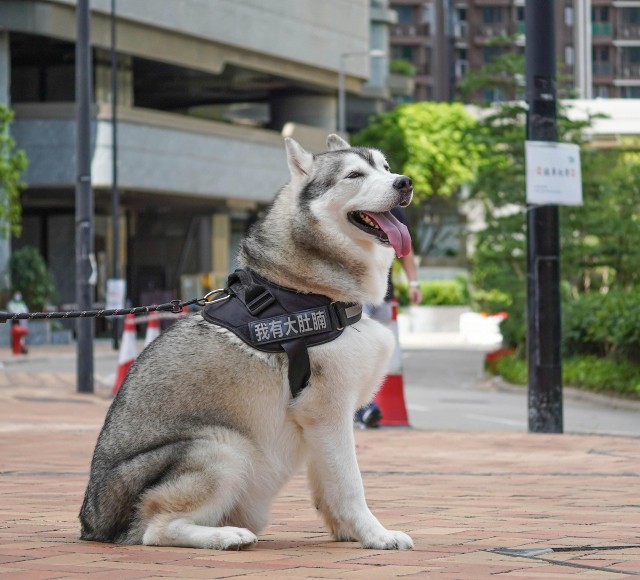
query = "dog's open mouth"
{"x": 385, "y": 227}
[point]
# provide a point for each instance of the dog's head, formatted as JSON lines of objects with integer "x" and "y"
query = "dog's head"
{"x": 350, "y": 191}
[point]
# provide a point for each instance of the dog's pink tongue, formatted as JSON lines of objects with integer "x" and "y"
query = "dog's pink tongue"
{"x": 396, "y": 231}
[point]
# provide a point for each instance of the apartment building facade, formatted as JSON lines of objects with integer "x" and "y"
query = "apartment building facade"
{"x": 206, "y": 90}
{"x": 597, "y": 43}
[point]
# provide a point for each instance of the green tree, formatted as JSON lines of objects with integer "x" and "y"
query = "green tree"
{"x": 598, "y": 240}
{"x": 13, "y": 163}
{"x": 30, "y": 275}
{"x": 433, "y": 144}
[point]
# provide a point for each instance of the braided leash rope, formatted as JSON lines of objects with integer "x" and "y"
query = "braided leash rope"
{"x": 175, "y": 306}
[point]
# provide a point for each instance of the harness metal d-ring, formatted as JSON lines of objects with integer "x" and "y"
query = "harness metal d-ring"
{"x": 213, "y": 293}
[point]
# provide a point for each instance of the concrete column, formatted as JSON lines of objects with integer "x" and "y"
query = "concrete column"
{"x": 5, "y": 99}
{"x": 314, "y": 110}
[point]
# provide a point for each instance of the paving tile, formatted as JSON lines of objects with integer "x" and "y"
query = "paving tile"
{"x": 459, "y": 495}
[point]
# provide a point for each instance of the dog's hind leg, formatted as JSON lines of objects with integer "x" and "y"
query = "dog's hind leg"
{"x": 188, "y": 509}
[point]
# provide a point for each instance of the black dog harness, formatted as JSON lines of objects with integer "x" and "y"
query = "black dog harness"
{"x": 271, "y": 318}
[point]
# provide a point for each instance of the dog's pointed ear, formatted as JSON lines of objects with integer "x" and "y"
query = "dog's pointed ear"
{"x": 300, "y": 161}
{"x": 336, "y": 143}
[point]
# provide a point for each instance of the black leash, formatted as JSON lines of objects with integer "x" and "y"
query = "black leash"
{"x": 175, "y": 306}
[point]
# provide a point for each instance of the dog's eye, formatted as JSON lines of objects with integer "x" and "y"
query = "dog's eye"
{"x": 355, "y": 175}
{"x": 387, "y": 168}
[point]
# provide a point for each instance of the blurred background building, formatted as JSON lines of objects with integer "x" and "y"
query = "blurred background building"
{"x": 597, "y": 41}
{"x": 206, "y": 89}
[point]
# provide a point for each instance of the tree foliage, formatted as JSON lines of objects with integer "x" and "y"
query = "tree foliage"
{"x": 13, "y": 163}
{"x": 598, "y": 240}
{"x": 30, "y": 275}
{"x": 433, "y": 144}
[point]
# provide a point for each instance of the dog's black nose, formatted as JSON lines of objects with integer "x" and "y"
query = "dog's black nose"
{"x": 403, "y": 184}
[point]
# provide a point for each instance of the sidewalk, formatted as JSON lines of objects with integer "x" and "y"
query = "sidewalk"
{"x": 516, "y": 505}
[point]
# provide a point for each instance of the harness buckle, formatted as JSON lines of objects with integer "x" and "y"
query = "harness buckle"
{"x": 260, "y": 302}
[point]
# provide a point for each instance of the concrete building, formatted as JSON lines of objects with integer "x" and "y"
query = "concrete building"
{"x": 597, "y": 43}
{"x": 206, "y": 91}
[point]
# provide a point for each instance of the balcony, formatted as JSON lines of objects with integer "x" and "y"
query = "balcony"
{"x": 601, "y": 28}
{"x": 629, "y": 72}
{"x": 602, "y": 69}
{"x": 420, "y": 30}
{"x": 628, "y": 32}
{"x": 487, "y": 31}
{"x": 401, "y": 85}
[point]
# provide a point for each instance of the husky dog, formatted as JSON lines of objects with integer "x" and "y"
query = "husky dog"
{"x": 204, "y": 431}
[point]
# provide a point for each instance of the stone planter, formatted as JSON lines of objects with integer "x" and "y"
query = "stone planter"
{"x": 426, "y": 319}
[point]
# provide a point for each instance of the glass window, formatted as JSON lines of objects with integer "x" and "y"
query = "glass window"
{"x": 568, "y": 55}
{"x": 600, "y": 14}
{"x": 568, "y": 15}
{"x": 492, "y": 14}
{"x": 491, "y": 53}
{"x": 405, "y": 14}
{"x": 631, "y": 15}
{"x": 631, "y": 92}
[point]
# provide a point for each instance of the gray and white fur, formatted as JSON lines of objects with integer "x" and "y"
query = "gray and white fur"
{"x": 204, "y": 433}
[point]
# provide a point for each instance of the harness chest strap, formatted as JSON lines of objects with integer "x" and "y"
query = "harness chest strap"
{"x": 271, "y": 318}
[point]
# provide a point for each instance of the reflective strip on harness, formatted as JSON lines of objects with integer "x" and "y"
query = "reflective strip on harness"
{"x": 288, "y": 326}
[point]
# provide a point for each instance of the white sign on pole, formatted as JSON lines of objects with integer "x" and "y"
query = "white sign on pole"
{"x": 554, "y": 174}
{"x": 116, "y": 293}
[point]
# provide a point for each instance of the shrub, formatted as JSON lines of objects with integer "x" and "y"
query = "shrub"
{"x": 584, "y": 372}
{"x": 30, "y": 275}
{"x": 402, "y": 67}
{"x": 437, "y": 292}
{"x": 512, "y": 369}
{"x": 603, "y": 324}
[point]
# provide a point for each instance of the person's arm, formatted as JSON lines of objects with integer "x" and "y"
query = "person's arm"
{"x": 409, "y": 265}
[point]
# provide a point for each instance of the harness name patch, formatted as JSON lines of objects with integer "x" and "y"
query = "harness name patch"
{"x": 288, "y": 326}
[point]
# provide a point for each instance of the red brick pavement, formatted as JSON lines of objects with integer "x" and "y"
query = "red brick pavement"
{"x": 476, "y": 505}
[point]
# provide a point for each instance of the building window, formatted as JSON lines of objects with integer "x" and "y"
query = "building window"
{"x": 405, "y": 14}
{"x": 631, "y": 55}
{"x": 568, "y": 56}
{"x": 568, "y": 15}
{"x": 600, "y": 14}
{"x": 600, "y": 60}
{"x": 601, "y": 91}
{"x": 630, "y": 16}
{"x": 492, "y": 15}
{"x": 427, "y": 14}
{"x": 403, "y": 52}
{"x": 493, "y": 95}
{"x": 631, "y": 92}
{"x": 491, "y": 53}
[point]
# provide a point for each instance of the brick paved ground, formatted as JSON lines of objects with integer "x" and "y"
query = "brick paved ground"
{"x": 477, "y": 505}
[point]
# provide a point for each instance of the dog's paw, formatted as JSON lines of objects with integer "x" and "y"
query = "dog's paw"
{"x": 237, "y": 539}
{"x": 387, "y": 540}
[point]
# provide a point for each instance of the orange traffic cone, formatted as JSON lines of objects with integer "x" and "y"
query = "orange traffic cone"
{"x": 390, "y": 397}
{"x": 153, "y": 328}
{"x": 128, "y": 351}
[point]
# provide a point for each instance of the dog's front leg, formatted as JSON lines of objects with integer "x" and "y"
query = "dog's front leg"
{"x": 338, "y": 490}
